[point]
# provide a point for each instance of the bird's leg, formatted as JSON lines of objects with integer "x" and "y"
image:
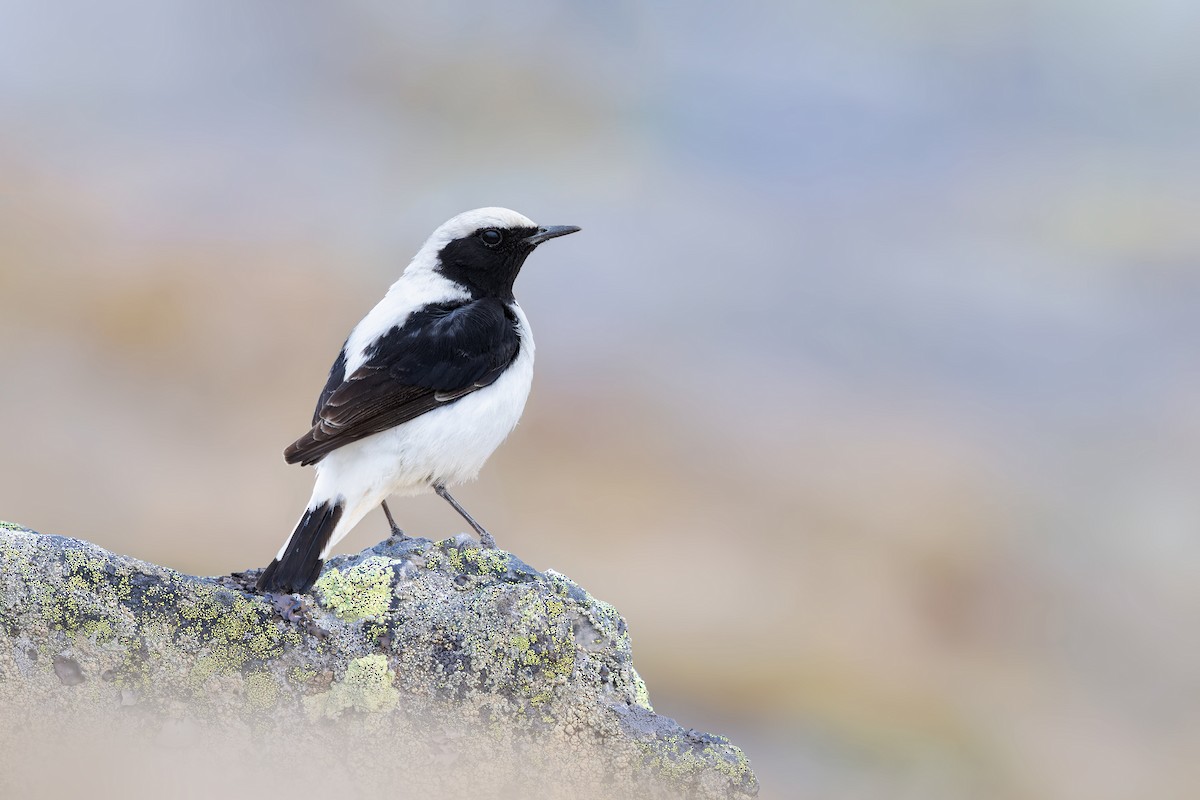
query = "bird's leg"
{"x": 399, "y": 534}
{"x": 485, "y": 538}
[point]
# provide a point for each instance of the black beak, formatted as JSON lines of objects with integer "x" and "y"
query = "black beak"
{"x": 548, "y": 232}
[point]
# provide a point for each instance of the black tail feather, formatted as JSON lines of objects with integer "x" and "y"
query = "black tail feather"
{"x": 301, "y": 564}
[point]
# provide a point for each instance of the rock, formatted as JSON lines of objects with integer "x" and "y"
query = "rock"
{"x": 463, "y": 655}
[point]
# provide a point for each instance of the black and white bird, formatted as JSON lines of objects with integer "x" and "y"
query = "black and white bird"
{"x": 426, "y": 387}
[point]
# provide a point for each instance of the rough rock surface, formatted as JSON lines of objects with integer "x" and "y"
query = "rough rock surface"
{"x": 454, "y": 650}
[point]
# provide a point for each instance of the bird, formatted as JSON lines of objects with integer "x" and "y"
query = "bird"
{"x": 425, "y": 388}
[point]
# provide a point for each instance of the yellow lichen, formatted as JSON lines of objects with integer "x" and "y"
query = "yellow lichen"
{"x": 472, "y": 560}
{"x": 261, "y": 691}
{"x": 203, "y": 669}
{"x": 545, "y": 655}
{"x": 361, "y": 591}
{"x": 641, "y": 695}
{"x": 231, "y": 628}
{"x": 366, "y": 687}
{"x": 678, "y": 760}
{"x": 301, "y": 675}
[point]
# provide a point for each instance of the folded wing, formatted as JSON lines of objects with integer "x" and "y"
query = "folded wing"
{"x": 441, "y": 354}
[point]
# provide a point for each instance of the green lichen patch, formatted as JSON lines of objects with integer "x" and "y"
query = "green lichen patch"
{"x": 641, "y": 695}
{"x": 301, "y": 674}
{"x": 358, "y": 592}
{"x": 135, "y": 667}
{"x": 461, "y": 556}
{"x": 607, "y": 622}
{"x": 112, "y": 607}
{"x": 366, "y": 688}
{"x": 202, "y": 669}
{"x": 11, "y": 526}
{"x": 82, "y": 599}
{"x": 683, "y": 758}
{"x": 227, "y": 628}
{"x": 542, "y": 654}
{"x": 261, "y": 691}
{"x": 600, "y": 629}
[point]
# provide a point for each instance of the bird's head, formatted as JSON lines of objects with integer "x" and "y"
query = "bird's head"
{"x": 483, "y": 250}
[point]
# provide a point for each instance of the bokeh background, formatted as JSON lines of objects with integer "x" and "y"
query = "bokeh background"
{"x": 869, "y": 393}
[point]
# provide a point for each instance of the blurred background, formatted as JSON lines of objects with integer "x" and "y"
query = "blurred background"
{"x": 869, "y": 393}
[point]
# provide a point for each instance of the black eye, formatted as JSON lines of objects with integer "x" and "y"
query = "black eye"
{"x": 491, "y": 237}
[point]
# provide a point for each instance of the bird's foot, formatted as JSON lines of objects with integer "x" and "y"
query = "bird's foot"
{"x": 485, "y": 538}
{"x": 397, "y": 534}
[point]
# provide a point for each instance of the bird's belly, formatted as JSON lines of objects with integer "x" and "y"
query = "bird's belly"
{"x": 447, "y": 445}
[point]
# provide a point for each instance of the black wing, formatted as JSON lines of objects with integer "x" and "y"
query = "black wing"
{"x": 440, "y": 354}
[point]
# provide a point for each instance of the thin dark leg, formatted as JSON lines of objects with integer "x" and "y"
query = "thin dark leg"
{"x": 485, "y": 538}
{"x": 399, "y": 534}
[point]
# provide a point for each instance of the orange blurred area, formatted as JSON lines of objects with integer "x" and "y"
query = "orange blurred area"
{"x": 867, "y": 393}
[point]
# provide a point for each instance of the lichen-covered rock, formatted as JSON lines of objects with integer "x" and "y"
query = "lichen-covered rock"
{"x": 429, "y": 643}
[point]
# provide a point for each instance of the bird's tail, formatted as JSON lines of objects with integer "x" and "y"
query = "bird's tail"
{"x": 298, "y": 564}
